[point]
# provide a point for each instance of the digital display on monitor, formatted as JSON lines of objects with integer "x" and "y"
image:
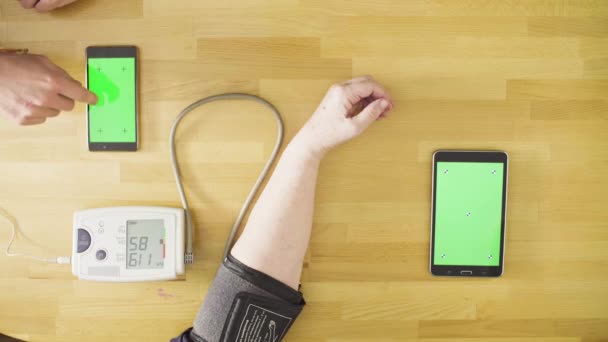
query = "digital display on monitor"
{"x": 145, "y": 244}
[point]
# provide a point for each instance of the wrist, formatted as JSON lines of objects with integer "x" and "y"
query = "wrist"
{"x": 304, "y": 147}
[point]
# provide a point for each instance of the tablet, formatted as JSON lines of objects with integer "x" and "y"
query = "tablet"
{"x": 468, "y": 210}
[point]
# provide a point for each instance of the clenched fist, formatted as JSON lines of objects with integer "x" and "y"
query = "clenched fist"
{"x": 345, "y": 112}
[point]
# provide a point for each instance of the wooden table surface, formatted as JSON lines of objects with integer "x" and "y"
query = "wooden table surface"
{"x": 526, "y": 76}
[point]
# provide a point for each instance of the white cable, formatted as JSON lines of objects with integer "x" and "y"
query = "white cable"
{"x": 189, "y": 256}
{"x": 58, "y": 260}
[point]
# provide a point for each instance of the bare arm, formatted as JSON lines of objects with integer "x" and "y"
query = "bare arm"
{"x": 276, "y": 236}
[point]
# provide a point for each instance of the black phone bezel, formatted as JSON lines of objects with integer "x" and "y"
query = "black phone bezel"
{"x": 116, "y": 52}
{"x": 469, "y": 156}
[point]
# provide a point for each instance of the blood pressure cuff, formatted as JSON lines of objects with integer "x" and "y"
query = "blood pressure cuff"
{"x": 245, "y": 305}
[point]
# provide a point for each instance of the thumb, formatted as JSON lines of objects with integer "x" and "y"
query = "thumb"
{"x": 370, "y": 113}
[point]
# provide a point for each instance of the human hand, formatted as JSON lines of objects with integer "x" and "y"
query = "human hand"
{"x": 44, "y": 5}
{"x": 345, "y": 112}
{"x": 33, "y": 89}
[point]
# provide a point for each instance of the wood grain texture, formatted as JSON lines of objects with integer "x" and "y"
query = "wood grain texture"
{"x": 527, "y": 76}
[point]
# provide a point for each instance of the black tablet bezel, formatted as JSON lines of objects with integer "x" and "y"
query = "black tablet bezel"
{"x": 469, "y": 156}
{"x": 117, "y": 52}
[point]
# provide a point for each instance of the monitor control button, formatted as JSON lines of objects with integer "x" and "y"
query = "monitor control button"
{"x": 101, "y": 255}
{"x": 466, "y": 273}
{"x": 84, "y": 240}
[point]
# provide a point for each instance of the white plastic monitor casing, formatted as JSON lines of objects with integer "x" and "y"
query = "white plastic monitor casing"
{"x": 107, "y": 230}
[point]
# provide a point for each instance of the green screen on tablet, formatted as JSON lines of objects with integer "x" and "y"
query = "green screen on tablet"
{"x": 468, "y": 213}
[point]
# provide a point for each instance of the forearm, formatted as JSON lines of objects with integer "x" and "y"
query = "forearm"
{"x": 282, "y": 217}
{"x": 276, "y": 236}
{"x": 288, "y": 198}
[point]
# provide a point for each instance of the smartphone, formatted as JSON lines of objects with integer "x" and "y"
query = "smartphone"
{"x": 112, "y": 123}
{"x": 468, "y": 211}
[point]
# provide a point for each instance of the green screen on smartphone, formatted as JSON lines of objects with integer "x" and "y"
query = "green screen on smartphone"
{"x": 113, "y": 118}
{"x": 468, "y": 213}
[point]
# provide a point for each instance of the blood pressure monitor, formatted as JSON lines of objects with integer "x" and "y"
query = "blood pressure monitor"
{"x": 125, "y": 244}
